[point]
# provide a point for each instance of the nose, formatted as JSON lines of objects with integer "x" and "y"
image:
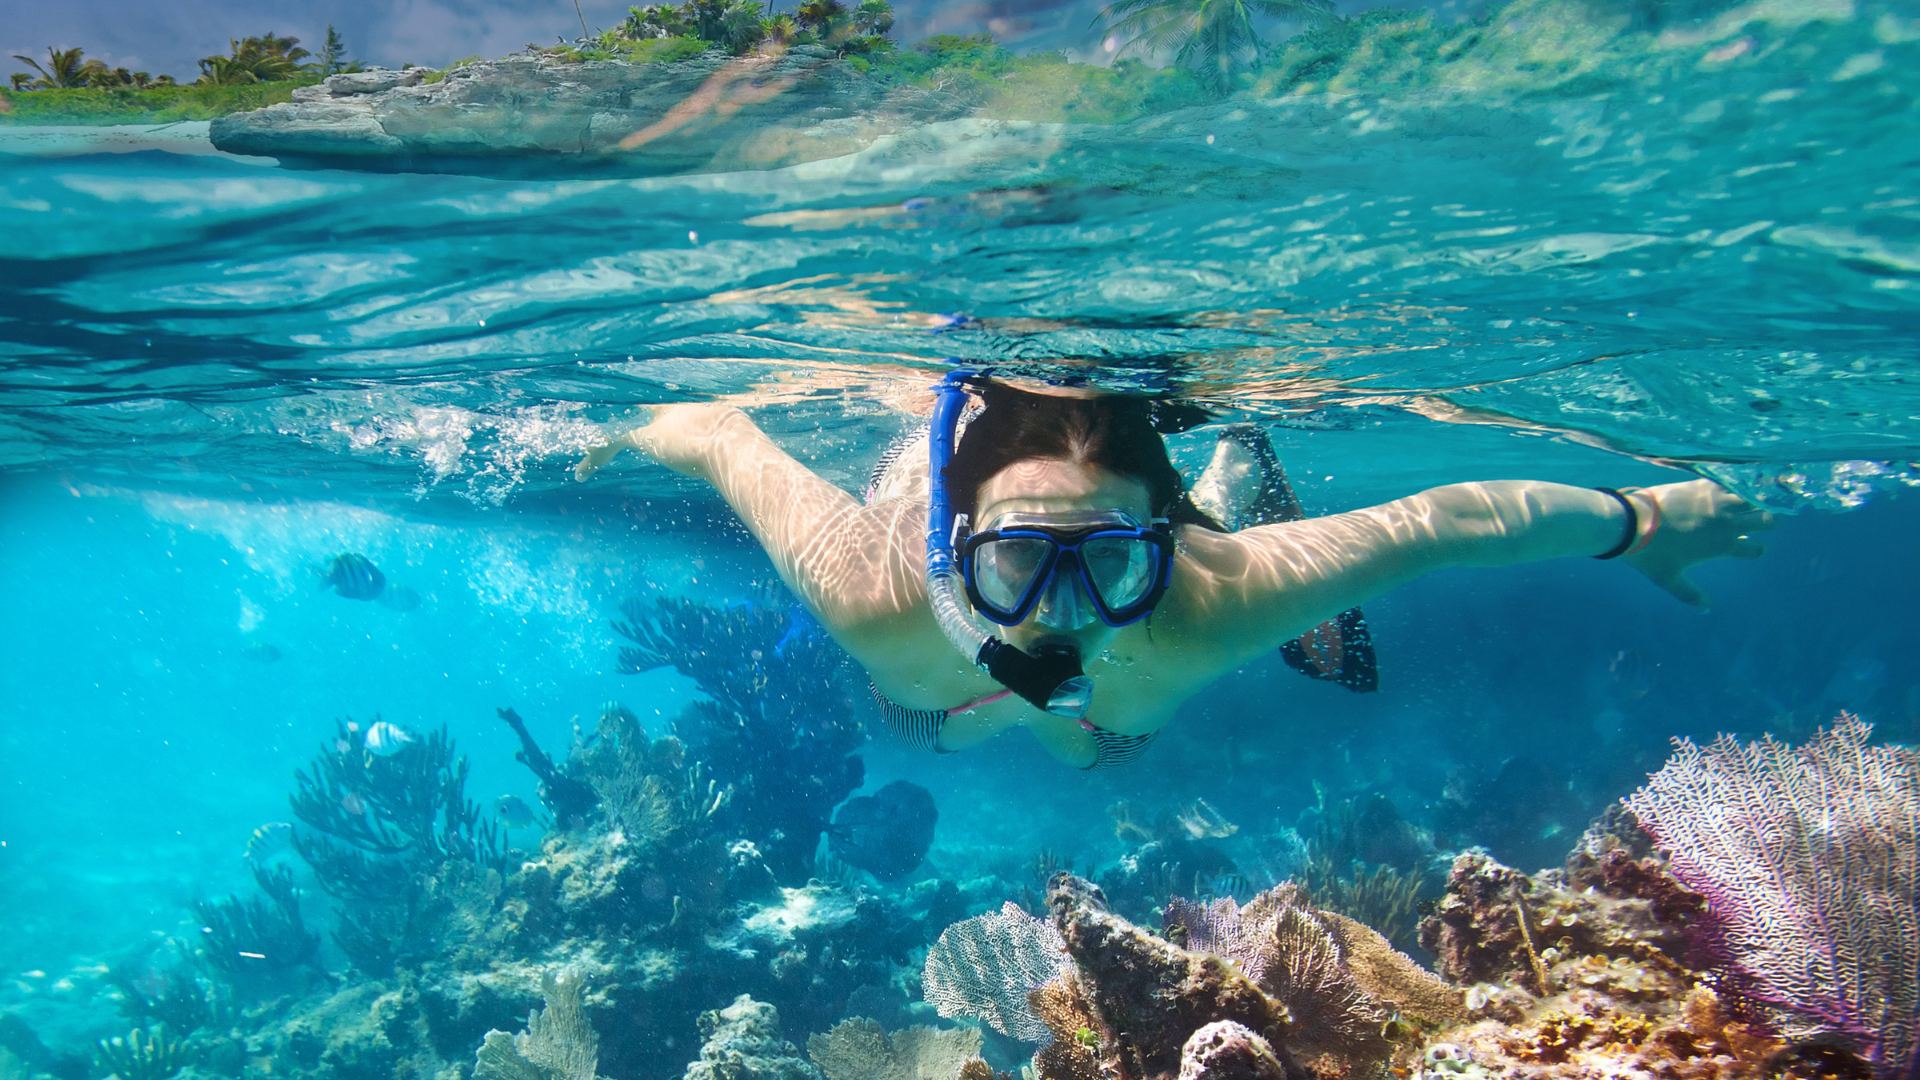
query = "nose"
{"x": 1065, "y": 605}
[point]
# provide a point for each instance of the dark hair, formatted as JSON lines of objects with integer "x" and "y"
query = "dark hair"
{"x": 1116, "y": 432}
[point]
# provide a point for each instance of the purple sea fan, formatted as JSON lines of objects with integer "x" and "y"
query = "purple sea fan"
{"x": 1810, "y": 862}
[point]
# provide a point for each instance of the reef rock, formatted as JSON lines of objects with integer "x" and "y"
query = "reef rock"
{"x": 1153, "y": 991}
{"x": 743, "y": 1042}
{"x": 1225, "y": 1050}
{"x": 710, "y": 113}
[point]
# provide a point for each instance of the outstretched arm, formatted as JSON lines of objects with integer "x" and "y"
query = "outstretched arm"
{"x": 1239, "y": 595}
{"x": 841, "y": 558}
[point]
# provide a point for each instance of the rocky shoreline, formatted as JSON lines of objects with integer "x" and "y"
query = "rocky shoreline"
{"x": 536, "y": 112}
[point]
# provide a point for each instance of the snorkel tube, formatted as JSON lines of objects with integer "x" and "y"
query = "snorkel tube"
{"x": 1051, "y": 680}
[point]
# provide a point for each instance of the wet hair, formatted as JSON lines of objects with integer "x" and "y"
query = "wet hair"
{"x": 1119, "y": 433}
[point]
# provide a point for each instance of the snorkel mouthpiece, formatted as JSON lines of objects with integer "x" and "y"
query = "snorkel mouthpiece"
{"x": 1050, "y": 678}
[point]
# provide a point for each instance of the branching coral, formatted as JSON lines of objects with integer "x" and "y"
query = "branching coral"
{"x": 1810, "y": 862}
{"x": 647, "y": 789}
{"x": 261, "y": 941}
{"x": 372, "y": 821}
{"x": 860, "y": 1049}
{"x": 173, "y": 991}
{"x": 776, "y": 728}
{"x": 377, "y": 827}
{"x": 559, "y": 1043}
{"x": 142, "y": 1055}
{"x": 566, "y": 797}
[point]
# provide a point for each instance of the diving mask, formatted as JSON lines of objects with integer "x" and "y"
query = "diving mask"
{"x": 1073, "y": 567}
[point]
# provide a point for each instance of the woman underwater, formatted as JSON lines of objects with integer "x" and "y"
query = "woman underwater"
{"x": 1110, "y": 596}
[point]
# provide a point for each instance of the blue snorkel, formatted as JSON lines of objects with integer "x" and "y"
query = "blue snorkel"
{"x": 1051, "y": 681}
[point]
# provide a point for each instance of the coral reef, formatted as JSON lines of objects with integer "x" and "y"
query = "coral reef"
{"x": 1224, "y": 1050}
{"x": 1339, "y": 983}
{"x": 558, "y": 1044}
{"x": 381, "y": 827}
{"x": 860, "y": 1049}
{"x": 1809, "y": 860}
{"x": 1367, "y": 862}
{"x": 1266, "y": 990}
{"x": 743, "y": 1042}
{"x": 787, "y": 754}
{"x": 259, "y": 944}
{"x": 372, "y": 820}
{"x": 985, "y": 968}
{"x": 1572, "y": 978}
{"x": 142, "y": 1055}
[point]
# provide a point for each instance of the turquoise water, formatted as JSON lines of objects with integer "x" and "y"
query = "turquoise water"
{"x": 217, "y": 374}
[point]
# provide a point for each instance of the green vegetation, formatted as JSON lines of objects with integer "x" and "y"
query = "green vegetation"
{"x": 154, "y": 105}
{"x": 741, "y": 26}
{"x": 67, "y": 88}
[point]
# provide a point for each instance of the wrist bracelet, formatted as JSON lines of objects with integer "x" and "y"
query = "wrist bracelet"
{"x": 1633, "y": 526}
{"x": 1653, "y": 526}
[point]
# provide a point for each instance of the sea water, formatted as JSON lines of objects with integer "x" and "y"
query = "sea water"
{"x": 219, "y": 374}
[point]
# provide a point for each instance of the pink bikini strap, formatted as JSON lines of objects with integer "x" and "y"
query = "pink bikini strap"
{"x": 979, "y": 702}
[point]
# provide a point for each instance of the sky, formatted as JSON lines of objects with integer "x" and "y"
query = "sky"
{"x": 170, "y": 38}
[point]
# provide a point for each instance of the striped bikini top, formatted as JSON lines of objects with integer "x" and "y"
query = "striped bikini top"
{"x": 921, "y": 728}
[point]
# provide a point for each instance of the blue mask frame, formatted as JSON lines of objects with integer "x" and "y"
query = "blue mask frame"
{"x": 1063, "y": 556}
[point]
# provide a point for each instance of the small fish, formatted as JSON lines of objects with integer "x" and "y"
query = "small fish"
{"x": 266, "y": 652}
{"x": 385, "y": 739}
{"x": 514, "y": 811}
{"x": 354, "y": 576}
{"x": 271, "y": 841}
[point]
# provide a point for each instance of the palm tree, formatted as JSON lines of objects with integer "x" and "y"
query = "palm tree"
{"x": 740, "y": 27}
{"x": 873, "y": 17}
{"x": 64, "y": 70}
{"x": 256, "y": 59}
{"x": 1212, "y": 38}
{"x": 224, "y": 71}
{"x": 818, "y": 15}
{"x": 781, "y": 30}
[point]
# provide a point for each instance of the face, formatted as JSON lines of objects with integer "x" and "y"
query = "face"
{"x": 1058, "y": 486}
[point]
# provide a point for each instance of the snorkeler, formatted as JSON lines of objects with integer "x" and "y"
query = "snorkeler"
{"x": 1000, "y": 579}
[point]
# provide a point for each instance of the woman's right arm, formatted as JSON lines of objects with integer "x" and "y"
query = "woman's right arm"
{"x": 847, "y": 562}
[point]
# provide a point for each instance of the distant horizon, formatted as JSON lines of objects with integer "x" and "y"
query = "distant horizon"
{"x": 171, "y": 39}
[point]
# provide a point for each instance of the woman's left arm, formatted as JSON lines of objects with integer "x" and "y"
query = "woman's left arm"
{"x": 1239, "y": 595}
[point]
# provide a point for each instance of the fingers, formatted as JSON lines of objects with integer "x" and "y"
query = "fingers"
{"x": 595, "y": 457}
{"x": 1685, "y": 591}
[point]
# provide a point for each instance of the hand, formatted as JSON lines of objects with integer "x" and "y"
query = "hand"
{"x": 680, "y": 437}
{"x": 1698, "y": 520}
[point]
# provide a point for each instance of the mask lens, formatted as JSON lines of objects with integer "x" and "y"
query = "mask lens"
{"x": 1120, "y": 569}
{"x": 1004, "y": 570}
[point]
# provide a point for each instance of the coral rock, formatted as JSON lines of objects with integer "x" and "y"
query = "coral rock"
{"x": 1225, "y": 1050}
{"x": 1154, "y": 992}
{"x": 743, "y": 1042}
